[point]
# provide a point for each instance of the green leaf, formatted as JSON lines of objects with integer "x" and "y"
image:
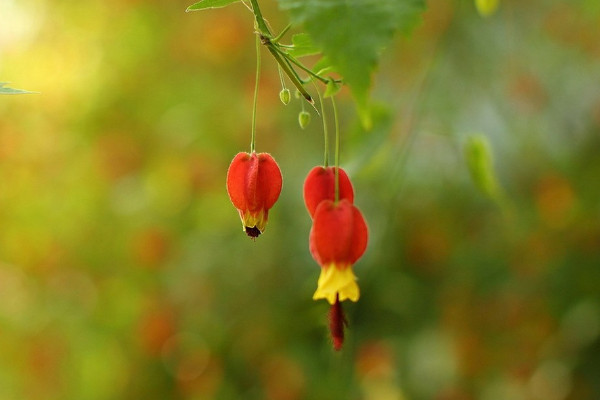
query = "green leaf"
{"x": 408, "y": 15}
{"x": 332, "y": 88}
{"x": 7, "y": 90}
{"x": 303, "y": 46}
{"x": 352, "y": 33}
{"x": 323, "y": 66}
{"x": 205, "y": 4}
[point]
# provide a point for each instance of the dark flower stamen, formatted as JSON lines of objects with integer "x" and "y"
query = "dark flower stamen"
{"x": 253, "y": 232}
{"x": 337, "y": 322}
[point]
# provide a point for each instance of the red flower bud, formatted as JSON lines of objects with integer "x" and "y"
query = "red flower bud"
{"x": 337, "y": 240}
{"x": 253, "y": 184}
{"x": 319, "y": 185}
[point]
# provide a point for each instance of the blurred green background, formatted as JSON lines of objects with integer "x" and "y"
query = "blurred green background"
{"x": 124, "y": 272}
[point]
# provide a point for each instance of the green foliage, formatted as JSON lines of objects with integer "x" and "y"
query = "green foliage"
{"x": 303, "y": 46}
{"x": 206, "y": 4}
{"x": 6, "y": 90}
{"x": 332, "y": 88}
{"x": 352, "y": 34}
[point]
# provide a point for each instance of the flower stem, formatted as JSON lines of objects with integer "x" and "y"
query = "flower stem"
{"x": 337, "y": 150}
{"x": 281, "y": 76}
{"x": 325, "y": 132}
{"x": 256, "y": 82}
{"x": 283, "y": 32}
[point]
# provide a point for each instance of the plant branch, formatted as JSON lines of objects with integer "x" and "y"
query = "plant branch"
{"x": 288, "y": 71}
{"x": 260, "y": 21}
{"x": 300, "y": 65}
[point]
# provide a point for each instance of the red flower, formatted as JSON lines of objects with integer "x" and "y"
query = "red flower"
{"x": 319, "y": 185}
{"x": 338, "y": 238}
{"x": 253, "y": 184}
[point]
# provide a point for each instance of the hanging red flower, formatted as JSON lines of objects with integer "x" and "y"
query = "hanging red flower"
{"x": 338, "y": 238}
{"x": 319, "y": 185}
{"x": 253, "y": 184}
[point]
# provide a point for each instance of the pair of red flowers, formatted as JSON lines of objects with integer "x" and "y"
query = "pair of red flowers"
{"x": 338, "y": 237}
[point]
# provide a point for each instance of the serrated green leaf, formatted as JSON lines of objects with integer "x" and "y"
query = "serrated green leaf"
{"x": 352, "y": 33}
{"x": 332, "y": 88}
{"x": 303, "y": 46}
{"x": 7, "y": 90}
{"x": 408, "y": 15}
{"x": 206, "y": 4}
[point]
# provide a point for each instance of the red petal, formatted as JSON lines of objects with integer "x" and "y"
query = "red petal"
{"x": 269, "y": 180}
{"x": 339, "y": 233}
{"x": 333, "y": 231}
{"x": 236, "y": 180}
{"x": 312, "y": 246}
{"x": 319, "y": 185}
{"x": 253, "y": 181}
{"x": 360, "y": 236}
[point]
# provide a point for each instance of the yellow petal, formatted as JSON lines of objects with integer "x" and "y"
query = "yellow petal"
{"x": 337, "y": 280}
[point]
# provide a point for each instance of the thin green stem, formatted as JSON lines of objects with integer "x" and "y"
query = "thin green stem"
{"x": 292, "y": 68}
{"x": 288, "y": 57}
{"x": 325, "y": 132}
{"x": 282, "y": 59}
{"x": 283, "y": 32}
{"x": 256, "y": 82}
{"x": 260, "y": 21}
{"x": 289, "y": 72}
{"x": 337, "y": 150}
{"x": 281, "y": 80}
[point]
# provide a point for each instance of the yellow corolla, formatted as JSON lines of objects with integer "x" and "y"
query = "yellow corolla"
{"x": 337, "y": 281}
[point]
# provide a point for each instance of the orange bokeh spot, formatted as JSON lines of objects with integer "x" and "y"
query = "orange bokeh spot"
{"x": 555, "y": 200}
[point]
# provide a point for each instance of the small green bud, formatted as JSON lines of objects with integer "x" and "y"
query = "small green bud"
{"x": 486, "y": 7}
{"x": 303, "y": 119}
{"x": 285, "y": 96}
{"x": 479, "y": 162}
{"x": 297, "y": 94}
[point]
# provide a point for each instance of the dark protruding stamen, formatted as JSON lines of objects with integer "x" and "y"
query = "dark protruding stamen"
{"x": 253, "y": 232}
{"x": 337, "y": 322}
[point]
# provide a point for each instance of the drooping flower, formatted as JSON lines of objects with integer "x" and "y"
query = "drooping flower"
{"x": 253, "y": 184}
{"x": 319, "y": 185}
{"x": 338, "y": 238}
